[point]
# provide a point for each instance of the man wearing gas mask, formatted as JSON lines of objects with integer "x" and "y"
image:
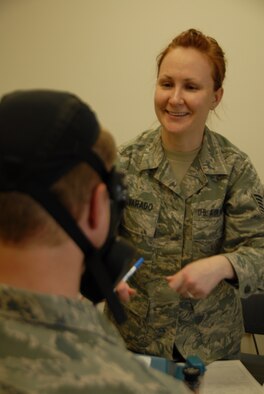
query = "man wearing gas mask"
{"x": 60, "y": 203}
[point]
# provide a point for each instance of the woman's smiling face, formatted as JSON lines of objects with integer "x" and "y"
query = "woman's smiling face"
{"x": 185, "y": 93}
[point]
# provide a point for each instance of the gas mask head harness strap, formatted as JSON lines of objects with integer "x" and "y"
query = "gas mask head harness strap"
{"x": 43, "y": 135}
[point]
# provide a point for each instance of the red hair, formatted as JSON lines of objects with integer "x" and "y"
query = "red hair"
{"x": 193, "y": 38}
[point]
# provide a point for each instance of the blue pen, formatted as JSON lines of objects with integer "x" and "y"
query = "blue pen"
{"x": 133, "y": 269}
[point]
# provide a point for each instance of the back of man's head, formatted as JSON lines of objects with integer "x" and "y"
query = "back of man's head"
{"x": 39, "y": 133}
{"x": 53, "y": 154}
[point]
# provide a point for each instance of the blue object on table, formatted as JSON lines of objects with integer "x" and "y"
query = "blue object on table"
{"x": 176, "y": 369}
{"x": 159, "y": 363}
{"x": 191, "y": 362}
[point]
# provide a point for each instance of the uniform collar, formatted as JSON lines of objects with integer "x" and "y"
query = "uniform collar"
{"x": 48, "y": 309}
{"x": 153, "y": 153}
{"x": 210, "y": 156}
{"x": 209, "y": 161}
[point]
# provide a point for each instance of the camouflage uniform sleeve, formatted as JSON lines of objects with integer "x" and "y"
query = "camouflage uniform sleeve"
{"x": 244, "y": 228}
{"x": 122, "y": 161}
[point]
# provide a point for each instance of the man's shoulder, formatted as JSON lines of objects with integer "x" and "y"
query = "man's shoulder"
{"x": 94, "y": 368}
{"x": 73, "y": 354}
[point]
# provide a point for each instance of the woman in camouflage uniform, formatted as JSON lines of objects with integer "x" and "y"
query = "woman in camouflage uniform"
{"x": 195, "y": 213}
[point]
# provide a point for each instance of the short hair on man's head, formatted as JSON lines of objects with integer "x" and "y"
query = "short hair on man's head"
{"x": 24, "y": 222}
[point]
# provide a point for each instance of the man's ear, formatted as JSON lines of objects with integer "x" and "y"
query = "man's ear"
{"x": 98, "y": 215}
{"x": 93, "y": 209}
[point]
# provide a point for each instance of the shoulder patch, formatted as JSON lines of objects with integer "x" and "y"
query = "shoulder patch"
{"x": 260, "y": 202}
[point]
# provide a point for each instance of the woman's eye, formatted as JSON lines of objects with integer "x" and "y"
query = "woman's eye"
{"x": 192, "y": 87}
{"x": 166, "y": 85}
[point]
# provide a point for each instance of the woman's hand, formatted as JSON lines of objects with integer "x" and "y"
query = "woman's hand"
{"x": 124, "y": 291}
{"x": 198, "y": 279}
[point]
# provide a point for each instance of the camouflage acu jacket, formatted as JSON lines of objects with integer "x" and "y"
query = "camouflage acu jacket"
{"x": 51, "y": 344}
{"x": 218, "y": 210}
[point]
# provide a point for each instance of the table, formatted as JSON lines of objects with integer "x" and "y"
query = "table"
{"x": 222, "y": 377}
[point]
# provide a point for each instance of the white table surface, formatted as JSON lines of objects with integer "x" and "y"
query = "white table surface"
{"x": 225, "y": 377}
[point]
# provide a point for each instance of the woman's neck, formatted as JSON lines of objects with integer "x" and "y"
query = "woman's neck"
{"x": 173, "y": 142}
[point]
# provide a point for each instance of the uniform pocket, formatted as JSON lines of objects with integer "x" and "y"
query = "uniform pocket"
{"x": 138, "y": 306}
{"x": 207, "y": 223}
{"x": 207, "y": 230}
{"x": 140, "y": 217}
{"x": 134, "y": 330}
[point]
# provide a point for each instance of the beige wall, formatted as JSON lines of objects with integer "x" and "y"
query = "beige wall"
{"x": 105, "y": 50}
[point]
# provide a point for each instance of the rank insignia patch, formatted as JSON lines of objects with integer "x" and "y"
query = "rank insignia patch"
{"x": 260, "y": 202}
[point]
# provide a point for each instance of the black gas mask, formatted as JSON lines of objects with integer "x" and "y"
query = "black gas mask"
{"x": 43, "y": 135}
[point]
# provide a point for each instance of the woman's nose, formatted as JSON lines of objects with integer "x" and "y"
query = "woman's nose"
{"x": 176, "y": 97}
